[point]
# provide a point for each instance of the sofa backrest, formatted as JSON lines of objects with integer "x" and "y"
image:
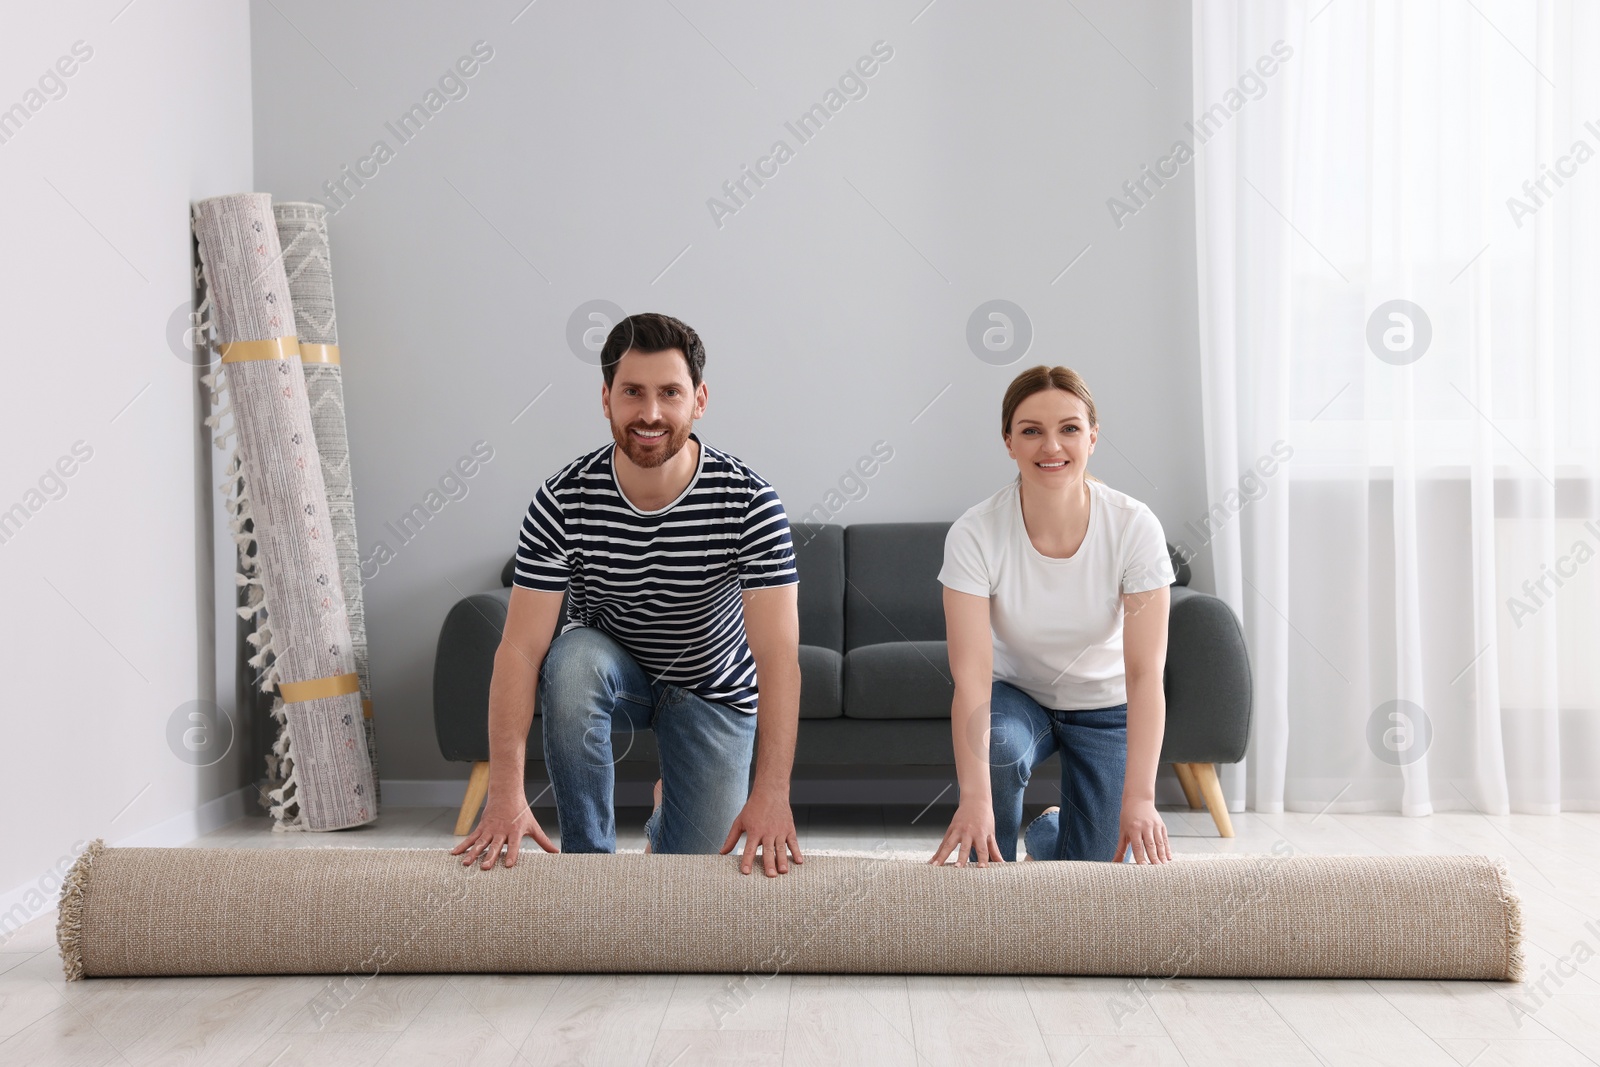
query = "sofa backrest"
{"x": 819, "y": 559}
{"x": 872, "y": 582}
{"x": 892, "y": 590}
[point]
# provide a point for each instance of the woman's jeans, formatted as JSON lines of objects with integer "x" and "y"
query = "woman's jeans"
{"x": 1094, "y": 755}
{"x": 590, "y": 689}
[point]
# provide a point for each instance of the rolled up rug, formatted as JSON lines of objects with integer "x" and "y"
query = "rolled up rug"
{"x": 279, "y": 509}
{"x": 359, "y": 911}
{"x": 303, "y": 235}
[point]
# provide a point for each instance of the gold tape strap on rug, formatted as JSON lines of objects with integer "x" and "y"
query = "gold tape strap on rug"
{"x": 272, "y": 348}
{"x": 336, "y": 685}
{"x": 366, "y": 709}
{"x": 310, "y": 353}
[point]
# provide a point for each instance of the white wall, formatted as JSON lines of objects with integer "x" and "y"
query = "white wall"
{"x": 834, "y": 305}
{"x": 106, "y": 574}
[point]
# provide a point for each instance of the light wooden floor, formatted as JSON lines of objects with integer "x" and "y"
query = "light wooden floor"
{"x": 878, "y": 1021}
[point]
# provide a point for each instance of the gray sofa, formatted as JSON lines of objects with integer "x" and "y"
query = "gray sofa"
{"x": 875, "y": 677}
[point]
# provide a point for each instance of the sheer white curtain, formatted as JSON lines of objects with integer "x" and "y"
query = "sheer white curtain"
{"x": 1399, "y": 265}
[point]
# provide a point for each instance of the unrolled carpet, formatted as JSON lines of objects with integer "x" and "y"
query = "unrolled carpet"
{"x": 303, "y": 234}
{"x": 282, "y": 513}
{"x": 192, "y": 911}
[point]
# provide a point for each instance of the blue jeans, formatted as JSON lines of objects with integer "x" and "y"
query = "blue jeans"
{"x": 590, "y": 689}
{"x": 1094, "y": 756}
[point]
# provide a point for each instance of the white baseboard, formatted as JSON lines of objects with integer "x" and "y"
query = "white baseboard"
{"x": 184, "y": 828}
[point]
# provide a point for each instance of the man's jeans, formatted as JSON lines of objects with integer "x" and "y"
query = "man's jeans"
{"x": 1094, "y": 754}
{"x": 589, "y": 686}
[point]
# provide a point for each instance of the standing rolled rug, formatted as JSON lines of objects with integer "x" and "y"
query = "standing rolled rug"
{"x": 303, "y": 235}
{"x": 281, "y": 511}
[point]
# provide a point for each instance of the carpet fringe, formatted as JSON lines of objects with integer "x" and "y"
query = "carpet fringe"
{"x": 283, "y": 802}
{"x": 69, "y": 917}
{"x": 1516, "y": 955}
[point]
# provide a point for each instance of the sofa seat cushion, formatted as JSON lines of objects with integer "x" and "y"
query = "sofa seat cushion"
{"x": 898, "y": 680}
{"x": 821, "y": 682}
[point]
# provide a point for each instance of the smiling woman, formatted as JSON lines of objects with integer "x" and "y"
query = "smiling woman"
{"x": 1056, "y": 615}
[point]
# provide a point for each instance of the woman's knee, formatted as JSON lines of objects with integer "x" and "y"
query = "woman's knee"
{"x": 1010, "y": 755}
{"x": 1013, "y": 739}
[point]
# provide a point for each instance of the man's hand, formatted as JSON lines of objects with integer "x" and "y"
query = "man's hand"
{"x": 765, "y": 820}
{"x": 502, "y": 825}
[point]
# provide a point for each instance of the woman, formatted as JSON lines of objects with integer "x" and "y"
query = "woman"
{"x": 1055, "y": 606}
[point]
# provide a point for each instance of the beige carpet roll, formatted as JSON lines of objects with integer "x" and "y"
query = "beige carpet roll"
{"x": 195, "y": 911}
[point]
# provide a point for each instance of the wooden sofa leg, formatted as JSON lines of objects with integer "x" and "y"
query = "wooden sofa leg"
{"x": 477, "y": 790}
{"x": 1191, "y": 788}
{"x": 1206, "y": 775}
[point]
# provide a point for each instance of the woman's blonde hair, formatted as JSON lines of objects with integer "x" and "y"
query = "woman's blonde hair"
{"x": 1037, "y": 380}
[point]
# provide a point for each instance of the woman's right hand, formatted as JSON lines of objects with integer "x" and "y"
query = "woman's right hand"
{"x": 971, "y": 831}
{"x": 503, "y": 825}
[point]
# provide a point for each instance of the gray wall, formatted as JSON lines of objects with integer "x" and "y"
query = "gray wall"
{"x": 834, "y": 304}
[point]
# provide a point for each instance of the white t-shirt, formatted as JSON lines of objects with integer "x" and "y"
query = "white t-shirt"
{"x": 1058, "y": 622}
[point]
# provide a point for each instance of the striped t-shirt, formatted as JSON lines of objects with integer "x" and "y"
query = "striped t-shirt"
{"x": 664, "y": 584}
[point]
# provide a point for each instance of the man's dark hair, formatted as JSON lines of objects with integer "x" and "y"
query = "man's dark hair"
{"x": 650, "y": 331}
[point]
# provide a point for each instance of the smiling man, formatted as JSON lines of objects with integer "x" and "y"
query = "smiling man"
{"x": 681, "y": 580}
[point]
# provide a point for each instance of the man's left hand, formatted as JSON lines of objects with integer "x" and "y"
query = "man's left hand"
{"x": 765, "y": 821}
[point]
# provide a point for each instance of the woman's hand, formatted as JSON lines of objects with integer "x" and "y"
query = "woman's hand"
{"x": 1143, "y": 829}
{"x": 971, "y": 829}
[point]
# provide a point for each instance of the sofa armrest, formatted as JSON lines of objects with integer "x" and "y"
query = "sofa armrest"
{"x": 462, "y": 668}
{"x": 1207, "y": 681}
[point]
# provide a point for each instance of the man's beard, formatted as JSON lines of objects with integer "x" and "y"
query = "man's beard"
{"x": 644, "y": 455}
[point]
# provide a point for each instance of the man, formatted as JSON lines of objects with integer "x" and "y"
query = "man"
{"x": 681, "y": 585}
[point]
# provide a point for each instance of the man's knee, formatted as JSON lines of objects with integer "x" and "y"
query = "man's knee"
{"x": 706, "y": 758}
{"x": 698, "y": 828}
{"x": 578, "y": 664}
{"x": 577, "y": 683}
